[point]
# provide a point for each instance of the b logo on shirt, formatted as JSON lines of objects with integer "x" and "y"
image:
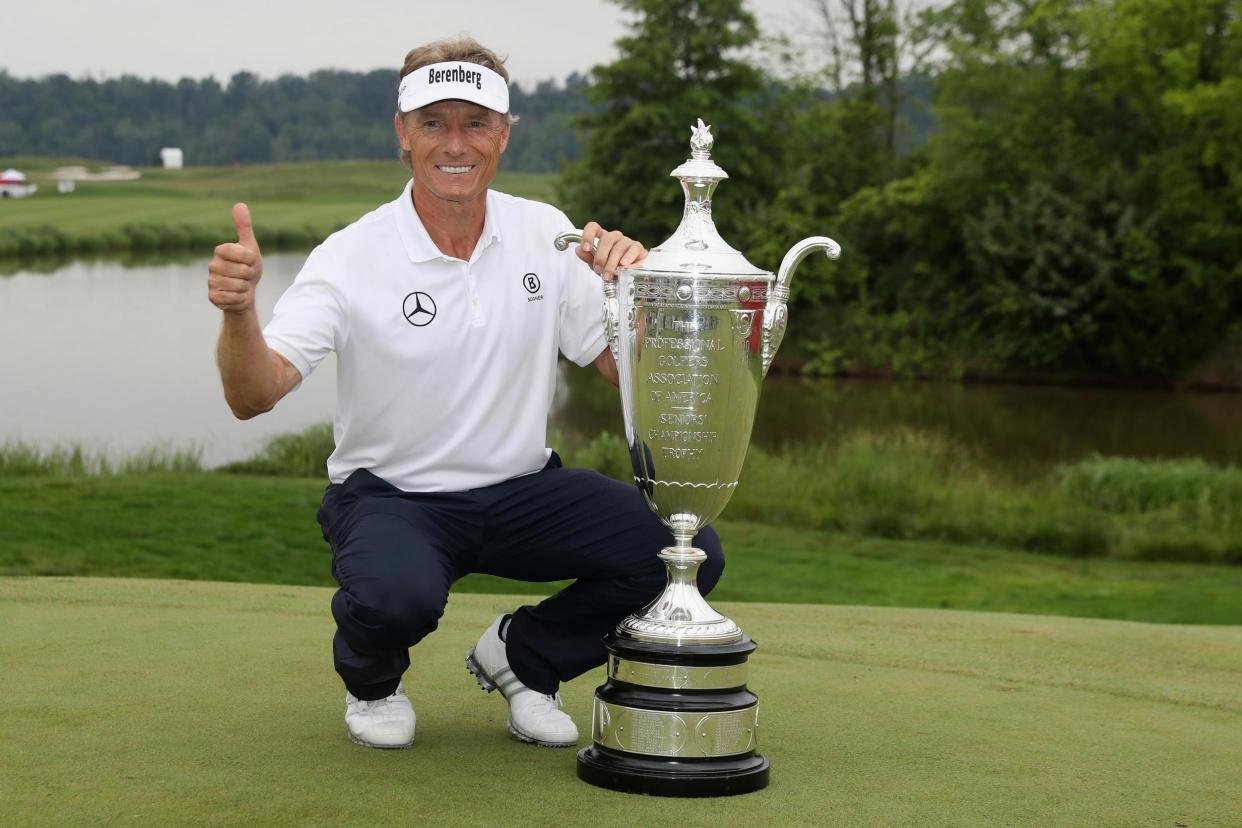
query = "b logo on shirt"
{"x": 531, "y": 282}
{"x": 419, "y": 309}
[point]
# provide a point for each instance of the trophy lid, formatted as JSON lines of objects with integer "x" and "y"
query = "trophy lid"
{"x": 696, "y": 246}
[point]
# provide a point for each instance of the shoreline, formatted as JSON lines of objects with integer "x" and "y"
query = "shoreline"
{"x": 1221, "y": 373}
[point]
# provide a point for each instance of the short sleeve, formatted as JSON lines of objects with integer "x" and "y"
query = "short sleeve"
{"x": 581, "y": 313}
{"x": 309, "y": 319}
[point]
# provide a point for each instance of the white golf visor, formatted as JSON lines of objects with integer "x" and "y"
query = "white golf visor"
{"x": 453, "y": 81}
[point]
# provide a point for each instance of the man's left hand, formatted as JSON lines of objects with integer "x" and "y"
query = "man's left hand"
{"x": 613, "y": 250}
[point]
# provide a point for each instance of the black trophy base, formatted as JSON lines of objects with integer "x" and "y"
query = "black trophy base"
{"x": 632, "y": 774}
{"x": 656, "y": 773}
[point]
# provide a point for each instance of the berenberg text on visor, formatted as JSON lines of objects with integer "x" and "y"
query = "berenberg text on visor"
{"x": 455, "y": 74}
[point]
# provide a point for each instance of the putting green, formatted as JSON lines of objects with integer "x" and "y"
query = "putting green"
{"x": 170, "y": 703}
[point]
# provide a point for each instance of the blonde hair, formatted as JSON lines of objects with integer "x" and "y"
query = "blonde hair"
{"x": 462, "y": 48}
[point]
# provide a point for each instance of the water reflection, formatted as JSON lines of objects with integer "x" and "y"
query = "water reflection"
{"x": 117, "y": 355}
{"x": 1021, "y": 429}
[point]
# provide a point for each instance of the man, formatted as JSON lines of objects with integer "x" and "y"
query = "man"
{"x": 447, "y": 308}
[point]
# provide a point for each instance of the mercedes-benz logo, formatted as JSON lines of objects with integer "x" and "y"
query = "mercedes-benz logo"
{"x": 419, "y": 309}
{"x": 531, "y": 282}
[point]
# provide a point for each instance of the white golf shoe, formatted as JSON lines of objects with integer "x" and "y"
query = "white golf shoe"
{"x": 533, "y": 716}
{"x": 383, "y": 723}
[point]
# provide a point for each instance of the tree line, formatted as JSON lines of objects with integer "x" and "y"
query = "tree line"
{"x": 1067, "y": 204}
{"x": 326, "y": 115}
{"x": 1077, "y": 213}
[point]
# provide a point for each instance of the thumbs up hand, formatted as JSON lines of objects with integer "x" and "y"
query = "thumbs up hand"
{"x": 236, "y": 267}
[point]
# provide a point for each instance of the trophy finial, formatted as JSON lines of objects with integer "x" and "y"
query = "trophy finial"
{"x": 701, "y": 140}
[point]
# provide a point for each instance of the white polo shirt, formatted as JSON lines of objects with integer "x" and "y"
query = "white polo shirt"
{"x": 445, "y": 368}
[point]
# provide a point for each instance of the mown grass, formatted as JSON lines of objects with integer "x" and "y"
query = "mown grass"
{"x": 129, "y": 702}
{"x": 294, "y": 206}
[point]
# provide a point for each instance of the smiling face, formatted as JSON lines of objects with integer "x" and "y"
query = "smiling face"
{"x": 455, "y": 148}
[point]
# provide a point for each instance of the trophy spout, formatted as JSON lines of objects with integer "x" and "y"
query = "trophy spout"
{"x": 776, "y": 311}
{"x": 799, "y": 252}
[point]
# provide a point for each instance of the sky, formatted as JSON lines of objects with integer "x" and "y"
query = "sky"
{"x": 545, "y": 39}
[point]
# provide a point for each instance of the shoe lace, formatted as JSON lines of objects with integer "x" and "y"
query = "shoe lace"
{"x": 377, "y": 704}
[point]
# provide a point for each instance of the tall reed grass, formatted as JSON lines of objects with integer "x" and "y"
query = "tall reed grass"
{"x": 300, "y": 454}
{"x": 21, "y": 459}
{"x": 50, "y": 240}
{"x": 915, "y": 485}
{"x": 900, "y": 484}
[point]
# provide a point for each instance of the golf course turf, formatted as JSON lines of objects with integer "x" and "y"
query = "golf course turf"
{"x": 149, "y": 702}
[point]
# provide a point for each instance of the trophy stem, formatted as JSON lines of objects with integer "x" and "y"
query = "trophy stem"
{"x": 683, "y": 539}
{"x": 680, "y": 615}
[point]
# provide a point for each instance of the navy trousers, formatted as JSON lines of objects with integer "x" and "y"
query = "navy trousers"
{"x": 395, "y": 554}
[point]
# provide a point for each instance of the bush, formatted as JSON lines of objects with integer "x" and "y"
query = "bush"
{"x": 1179, "y": 546}
{"x": 289, "y": 237}
{"x": 1128, "y": 484}
{"x": 88, "y": 244}
{"x": 607, "y": 454}
{"x": 173, "y": 237}
{"x": 43, "y": 240}
{"x": 1070, "y": 533}
{"x": 304, "y": 454}
{"x": 141, "y": 236}
{"x": 115, "y": 240}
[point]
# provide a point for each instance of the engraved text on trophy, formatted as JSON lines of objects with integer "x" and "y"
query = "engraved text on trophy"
{"x": 681, "y": 379}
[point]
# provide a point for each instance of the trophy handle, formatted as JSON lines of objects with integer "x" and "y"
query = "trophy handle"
{"x": 776, "y": 311}
{"x": 612, "y": 309}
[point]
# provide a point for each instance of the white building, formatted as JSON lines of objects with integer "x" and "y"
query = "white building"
{"x": 13, "y": 184}
{"x": 172, "y": 158}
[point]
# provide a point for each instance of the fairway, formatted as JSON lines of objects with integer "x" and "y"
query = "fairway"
{"x": 163, "y": 702}
{"x": 190, "y": 209}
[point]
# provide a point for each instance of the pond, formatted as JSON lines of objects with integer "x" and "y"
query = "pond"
{"x": 119, "y": 358}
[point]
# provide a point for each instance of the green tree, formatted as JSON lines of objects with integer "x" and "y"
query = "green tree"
{"x": 545, "y": 140}
{"x": 328, "y": 114}
{"x": 859, "y": 313}
{"x": 684, "y": 61}
{"x": 1064, "y": 277}
{"x": 1094, "y": 125}
{"x": 1080, "y": 210}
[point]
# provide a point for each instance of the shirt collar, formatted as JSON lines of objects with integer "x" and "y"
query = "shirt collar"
{"x": 418, "y": 244}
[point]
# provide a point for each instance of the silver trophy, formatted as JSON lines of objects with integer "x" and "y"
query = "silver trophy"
{"x": 694, "y": 328}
